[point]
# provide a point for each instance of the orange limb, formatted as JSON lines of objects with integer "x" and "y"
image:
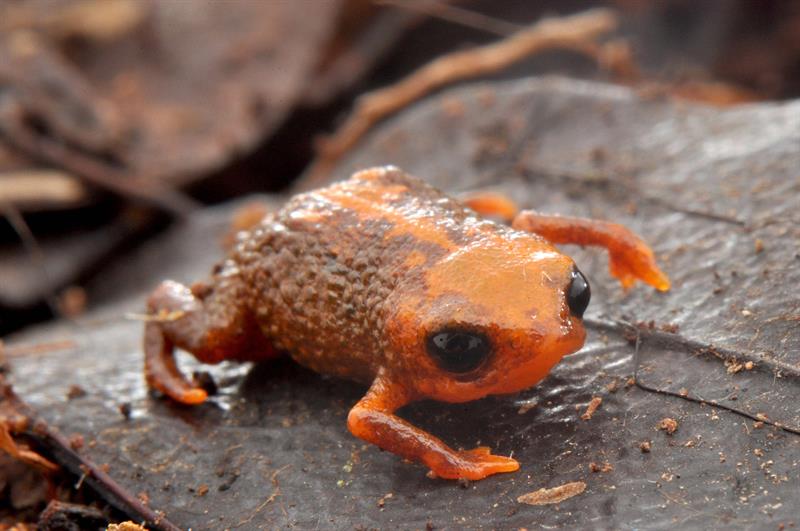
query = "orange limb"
{"x": 162, "y": 373}
{"x": 490, "y": 204}
{"x": 211, "y": 323}
{"x": 630, "y": 258}
{"x": 373, "y": 420}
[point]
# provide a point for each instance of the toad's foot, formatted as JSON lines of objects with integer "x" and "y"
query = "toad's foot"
{"x": 373, "y": 420}
{"x": 474, "y": 464}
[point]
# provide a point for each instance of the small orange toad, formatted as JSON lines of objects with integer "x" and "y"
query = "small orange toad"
{"x": 385, "y": 280}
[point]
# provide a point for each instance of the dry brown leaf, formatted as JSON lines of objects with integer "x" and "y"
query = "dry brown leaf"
{"x": 554, "y": 495}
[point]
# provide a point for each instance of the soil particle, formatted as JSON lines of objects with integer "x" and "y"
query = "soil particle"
{"x": 668, "y": 425}
{"x": 590, "y": 410}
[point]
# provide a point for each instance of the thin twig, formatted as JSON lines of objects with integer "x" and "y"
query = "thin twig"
{"x": 60, "y": 450}
{"x": 698, "y": 400}
{"x": 36, "y": 349}
{"x": 456, "y": 15}
{"x": 34, "y": 250}
{"x": 275, "y": 493}
{"x": 689, "y": 345}
{"x": 570, "y": 32}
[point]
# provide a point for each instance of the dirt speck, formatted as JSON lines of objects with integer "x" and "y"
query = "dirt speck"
{"x": 383, "y": 499}
{"x": 76, "y": 441}
{"x": 668, "y": 425}
{"x": 733, "y": 365}
{"x": 75, "y": 391}
{"x": 590, "y": 410}
{"x": 670, "y": 328}
{"x": 601, "y": 467}
{"x": 144, "y": 498}
{"x": 126, "y": 526}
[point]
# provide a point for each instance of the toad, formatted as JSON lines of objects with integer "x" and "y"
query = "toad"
{"x": 387, "y": 281}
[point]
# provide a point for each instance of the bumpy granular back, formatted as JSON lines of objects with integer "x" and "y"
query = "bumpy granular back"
{"x": 319, "y": 271}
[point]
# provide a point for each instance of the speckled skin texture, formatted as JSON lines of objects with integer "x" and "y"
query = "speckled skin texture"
{"x": 322, "y": 272}
{"x": 356, "y": 279}
{"x": 320, "y": 277}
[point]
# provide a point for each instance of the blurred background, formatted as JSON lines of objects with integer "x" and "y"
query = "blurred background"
{"x": 119, "y": 117}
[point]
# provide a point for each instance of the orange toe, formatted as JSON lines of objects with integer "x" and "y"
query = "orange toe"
{"x": 193, "y": 396}
{"x": 660, "y": 281}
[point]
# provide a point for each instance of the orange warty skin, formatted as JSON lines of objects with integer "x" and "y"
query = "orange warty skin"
{"x": 385, "y": 280}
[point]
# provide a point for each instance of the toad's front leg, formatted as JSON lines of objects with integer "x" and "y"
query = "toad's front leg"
{"x": 373, "y": 420}
{"x": 630, "y": 258}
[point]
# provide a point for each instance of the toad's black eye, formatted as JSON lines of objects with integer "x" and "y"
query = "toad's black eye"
{"x": 458, "y": 351}
{"x": 578, "y": 293}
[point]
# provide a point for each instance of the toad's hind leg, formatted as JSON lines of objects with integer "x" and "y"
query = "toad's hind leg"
{"x": 211, "y": 322}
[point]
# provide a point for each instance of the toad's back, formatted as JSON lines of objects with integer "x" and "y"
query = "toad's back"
{"x": 319, "y": 271}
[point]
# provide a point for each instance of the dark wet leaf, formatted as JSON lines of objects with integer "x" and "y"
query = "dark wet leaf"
{"x": 702, "y": 185}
